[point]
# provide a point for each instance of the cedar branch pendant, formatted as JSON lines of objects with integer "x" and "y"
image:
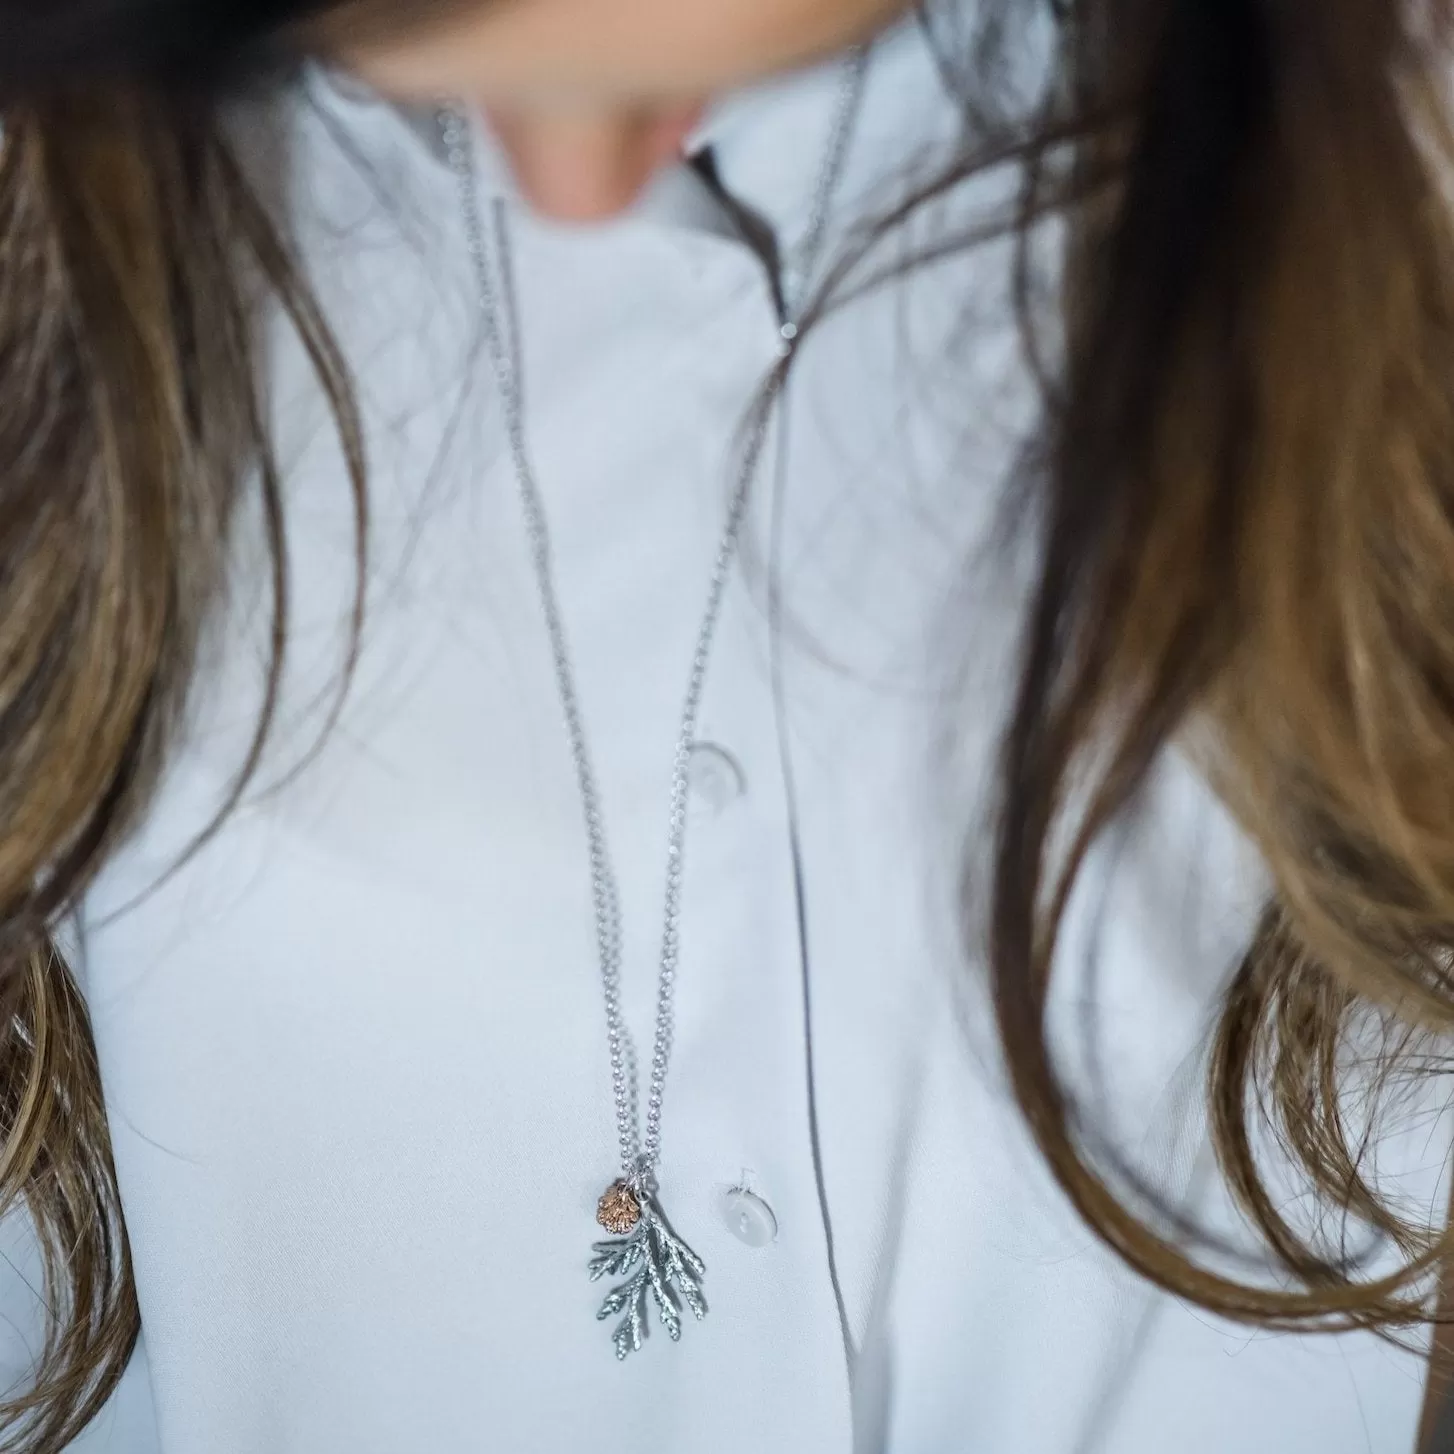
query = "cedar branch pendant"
{"x": 655, "y": 1262}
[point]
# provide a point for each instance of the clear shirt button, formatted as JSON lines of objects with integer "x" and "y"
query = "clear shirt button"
{"x": 748, "y": 1218}
{"x": 713, "y": 777}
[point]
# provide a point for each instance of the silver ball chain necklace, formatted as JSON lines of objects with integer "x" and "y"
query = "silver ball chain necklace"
{"x": 654, "y": 1262}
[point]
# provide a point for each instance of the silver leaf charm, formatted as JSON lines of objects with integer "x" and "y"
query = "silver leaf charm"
{"x": 657, "y": 1265}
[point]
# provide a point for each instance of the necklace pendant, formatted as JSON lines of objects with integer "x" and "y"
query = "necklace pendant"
{"x": 619, "y": 1210}
{"x": 659, "y": 1269}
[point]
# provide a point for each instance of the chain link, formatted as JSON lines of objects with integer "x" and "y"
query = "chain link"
{"x": 640, "y": 1150}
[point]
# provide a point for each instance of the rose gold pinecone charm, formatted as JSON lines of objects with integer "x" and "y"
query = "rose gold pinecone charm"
{"x": 620, "y": 1209}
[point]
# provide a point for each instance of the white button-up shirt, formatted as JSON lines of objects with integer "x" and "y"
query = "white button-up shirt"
{"x": 354, "y": 1047}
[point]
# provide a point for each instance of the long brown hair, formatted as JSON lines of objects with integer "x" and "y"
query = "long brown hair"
{"x": 1249, "y": 545}
{"x": 1244, "y": 485}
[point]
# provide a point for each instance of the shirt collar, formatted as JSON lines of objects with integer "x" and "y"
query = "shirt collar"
{"x": 904, "y": 108}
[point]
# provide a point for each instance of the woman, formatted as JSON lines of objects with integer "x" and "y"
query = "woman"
{"x": 813, "y": 817}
